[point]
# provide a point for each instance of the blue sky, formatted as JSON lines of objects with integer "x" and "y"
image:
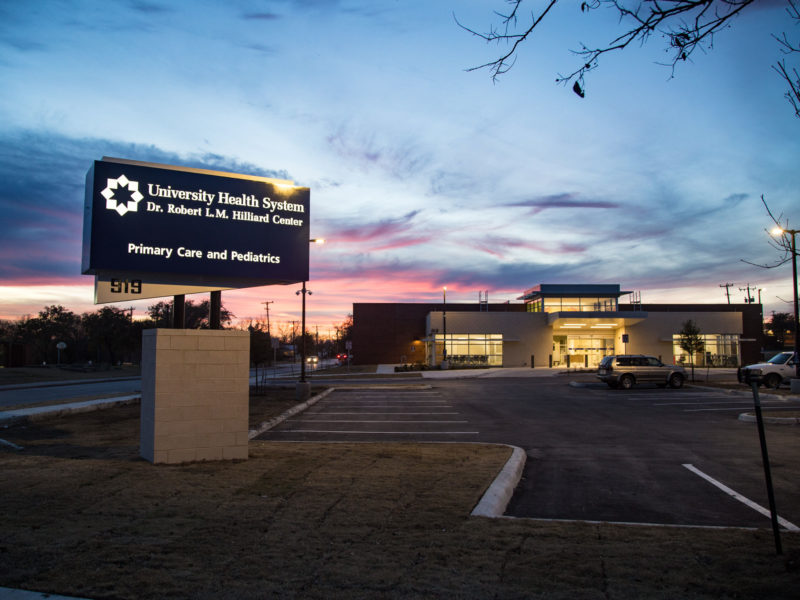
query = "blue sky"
{"x": 422, "y": 174}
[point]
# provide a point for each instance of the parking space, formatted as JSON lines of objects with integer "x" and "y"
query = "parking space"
{"x": 647, "y": 455}
{"x": 378, "y": 414}
{"x": 693, "y": 399}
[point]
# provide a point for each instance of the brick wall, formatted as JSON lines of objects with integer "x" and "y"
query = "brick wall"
{"x": 195, "y": 395}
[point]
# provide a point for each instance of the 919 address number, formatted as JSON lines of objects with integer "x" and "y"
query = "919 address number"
{"x": 126, "y": 286}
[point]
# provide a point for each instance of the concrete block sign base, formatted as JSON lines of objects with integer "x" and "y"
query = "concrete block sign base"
{"x": 195, "y": 395}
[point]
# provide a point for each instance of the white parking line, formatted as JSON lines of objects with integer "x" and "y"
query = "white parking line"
{"x": 746, "y": 501}
{"x": 721, "y": 409}
{"x": 748, "y": 402}
{"x": 380, "y": 432}
{"x": 397, "y": 412}
{"x": 368, "y": 421}
{"x": 375, "y": 403}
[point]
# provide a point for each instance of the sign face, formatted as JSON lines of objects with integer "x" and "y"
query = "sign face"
{"x": 625, "y": 338}
{"x": 108, "y": 288}
{"x": 160, "y": 225}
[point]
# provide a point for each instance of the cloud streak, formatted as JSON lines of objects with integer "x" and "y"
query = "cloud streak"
{"x": 561, "y": 201}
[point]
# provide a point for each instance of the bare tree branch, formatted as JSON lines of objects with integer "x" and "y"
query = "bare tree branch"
{"x": 790, "y": 74}
{"x": 685, "y": 25}
{"x": 502, "y": 65}
{"x": 781, "y": 244}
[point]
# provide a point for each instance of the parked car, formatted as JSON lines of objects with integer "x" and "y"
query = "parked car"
{"x": 771, "y": 373}
{"x": 626, "y": 370}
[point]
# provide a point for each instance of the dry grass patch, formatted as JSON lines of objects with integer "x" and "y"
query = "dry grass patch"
{"x": 83, "y": 515}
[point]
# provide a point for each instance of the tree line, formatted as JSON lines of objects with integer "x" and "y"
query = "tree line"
{"x": 111, "y": 336}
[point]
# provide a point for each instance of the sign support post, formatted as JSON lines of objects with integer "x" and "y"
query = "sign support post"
{"x": 179, "y": 312}
{"x": 215, "y": 310}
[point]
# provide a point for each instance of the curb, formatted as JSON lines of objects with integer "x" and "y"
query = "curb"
{"x": 298, "y": 408}
{"x": 495, "y": 500}
{"x": 14, "y": 594}
{"x": 746, "y": 392}
{"x": 58, "y": 410}
{"x": 62, "y": 383}
{"x": 748, "y": 418}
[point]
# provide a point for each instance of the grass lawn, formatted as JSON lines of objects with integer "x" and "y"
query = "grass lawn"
{"x": 83, "y": 515}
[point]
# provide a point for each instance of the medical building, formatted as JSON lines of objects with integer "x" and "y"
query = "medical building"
{"x": 554, "y": 325}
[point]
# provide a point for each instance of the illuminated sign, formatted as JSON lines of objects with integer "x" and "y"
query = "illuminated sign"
{"x": 148, "y": 227}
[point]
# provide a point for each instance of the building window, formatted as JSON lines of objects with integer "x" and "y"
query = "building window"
{"x": 573, "y": 305}
{"x": 721, "y": 350}
{"x": 468, "y": 349}
{"x": 535, "y": 306}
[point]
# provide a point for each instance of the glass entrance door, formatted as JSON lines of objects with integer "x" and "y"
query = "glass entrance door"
{"x": 585, "y": 350}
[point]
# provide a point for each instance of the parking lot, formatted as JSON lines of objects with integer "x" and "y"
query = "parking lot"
{"x": 647, "y": 455}
{"x": 384, "y": 413}
{"x": 692, "y": 399}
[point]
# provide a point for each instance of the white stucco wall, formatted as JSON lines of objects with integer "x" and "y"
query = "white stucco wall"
{"x": 524, "y": 334}
{"x": 654, "y": 334}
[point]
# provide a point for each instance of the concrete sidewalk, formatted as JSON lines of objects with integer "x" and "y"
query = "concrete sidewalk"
{"x": 64, "y": 382}
{"x": 475, "y": 373}
{"x": 11, "y": 594}
{"x": 66, "y": 408}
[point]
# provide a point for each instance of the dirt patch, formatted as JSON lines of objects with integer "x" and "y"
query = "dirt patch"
{"x": 83, "y": 515}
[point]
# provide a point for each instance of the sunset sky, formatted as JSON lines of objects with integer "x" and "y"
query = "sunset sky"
{"x": 422, "y": 174}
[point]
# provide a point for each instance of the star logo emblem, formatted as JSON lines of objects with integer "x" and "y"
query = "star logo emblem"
{"x": 123, "y": 207}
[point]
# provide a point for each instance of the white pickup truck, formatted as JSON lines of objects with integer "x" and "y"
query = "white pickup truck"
{"x": 772, "y": 373}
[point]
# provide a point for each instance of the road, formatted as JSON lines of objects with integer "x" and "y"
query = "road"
{"x": 20, "y": 396}
{"x": 593, "y": 453}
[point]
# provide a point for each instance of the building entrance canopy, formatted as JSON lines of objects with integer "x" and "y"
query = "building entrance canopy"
{"x": 594, "y": 320}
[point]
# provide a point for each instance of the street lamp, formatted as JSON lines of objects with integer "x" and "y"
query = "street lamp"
{"x": 444, "y": 325}
{"x": 303, "y": 388}
{"x": 780, "y": 231}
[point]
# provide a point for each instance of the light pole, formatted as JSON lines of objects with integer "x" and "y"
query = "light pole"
{"x": 303, "y": 291}
{"x": 793, "y": 232}
{"x": 444, "y": 326}
{"x": 303, "y": 388}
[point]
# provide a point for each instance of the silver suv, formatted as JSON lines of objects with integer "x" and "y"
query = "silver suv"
{"x": 626, "y": 370}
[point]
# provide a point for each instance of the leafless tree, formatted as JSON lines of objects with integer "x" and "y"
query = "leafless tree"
{"x": 781, "y": 242}
{"x": 789, "y": 47}
{"x": 685, "y": 25}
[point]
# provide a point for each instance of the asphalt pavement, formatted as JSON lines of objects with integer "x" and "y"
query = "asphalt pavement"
{"x": 647, "y": 455}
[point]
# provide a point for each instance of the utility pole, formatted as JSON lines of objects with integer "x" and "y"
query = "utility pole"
{"x": 727, "y": 290}
{"x": 266, "y": 307}
{"x": 748, "y": 299}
